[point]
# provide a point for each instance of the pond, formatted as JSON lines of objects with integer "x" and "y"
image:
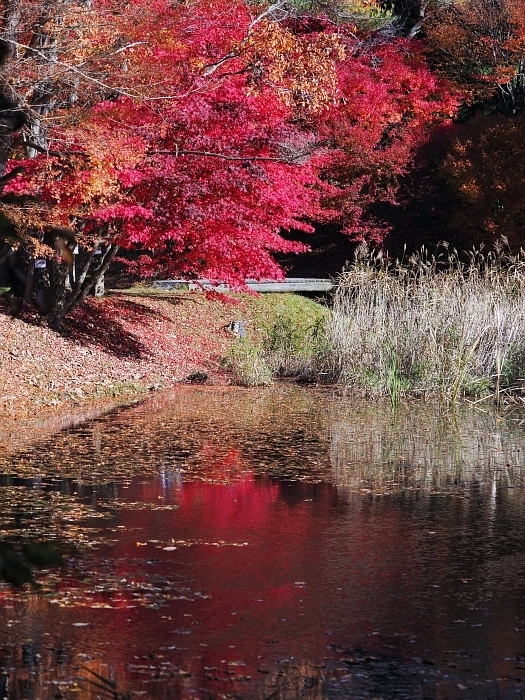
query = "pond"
{"x": 280, "y": 543}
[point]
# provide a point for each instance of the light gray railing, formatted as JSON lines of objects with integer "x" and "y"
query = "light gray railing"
{"x": 290, "y": 284}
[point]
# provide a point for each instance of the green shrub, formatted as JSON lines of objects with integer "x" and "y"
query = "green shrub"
{"x": 247, "y": 364}
{"x": 295, "y": 349}
{"x": 286, "y": 337}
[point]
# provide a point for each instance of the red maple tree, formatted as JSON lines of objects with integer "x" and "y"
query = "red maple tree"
{"x": 198, "y": 133}
{"x": 389, "y": 102}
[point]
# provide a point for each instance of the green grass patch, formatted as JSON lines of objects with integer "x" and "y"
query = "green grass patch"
{"x": 285, "y": 337}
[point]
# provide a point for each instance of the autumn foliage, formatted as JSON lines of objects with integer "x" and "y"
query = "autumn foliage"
{"x": 196, "y": 133}
{"x": 484, "y": 169}
{"x": 480, "y": 45}
{"x": 389, "y": 102}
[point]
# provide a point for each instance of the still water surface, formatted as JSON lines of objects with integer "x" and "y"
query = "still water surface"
{"x": 271, "y": 544}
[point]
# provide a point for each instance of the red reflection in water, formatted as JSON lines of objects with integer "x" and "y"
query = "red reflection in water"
{"x": 307, "y": 573}
{"x": 260, "y": 570}
{"x": 213, "y": 596}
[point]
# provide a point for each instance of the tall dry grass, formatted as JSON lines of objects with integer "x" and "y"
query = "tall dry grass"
{"x": 431, "y": 324}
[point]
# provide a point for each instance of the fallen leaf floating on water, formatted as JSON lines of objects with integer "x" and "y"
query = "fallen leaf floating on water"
{"x": 205, "y": 449}
{"x": 139, "y": 505}
{"x": 98, "y": 587}
{"x": 172, "y": 545}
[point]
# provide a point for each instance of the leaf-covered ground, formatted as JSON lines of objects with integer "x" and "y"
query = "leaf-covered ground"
{"x": 111, "y": 349}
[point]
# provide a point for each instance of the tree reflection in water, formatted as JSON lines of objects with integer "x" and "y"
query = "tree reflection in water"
{"x": 281, "y": 543}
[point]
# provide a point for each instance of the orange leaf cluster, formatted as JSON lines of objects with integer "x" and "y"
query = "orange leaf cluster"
{"x": 484, "y": 171}
{"x": 302, "y": 69}
{"x": 480, "y": 45}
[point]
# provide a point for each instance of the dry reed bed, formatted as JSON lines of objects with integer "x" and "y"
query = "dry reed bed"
{"x": 424, "y": 447}
{"x": 430, "y": 325}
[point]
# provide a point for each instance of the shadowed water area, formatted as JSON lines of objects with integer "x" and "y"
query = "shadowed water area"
{"x": 281, "y": 543}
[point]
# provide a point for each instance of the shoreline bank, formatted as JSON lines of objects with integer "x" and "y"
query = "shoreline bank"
{"x": 132, "y": 343}
{"x": 112, "y": 350}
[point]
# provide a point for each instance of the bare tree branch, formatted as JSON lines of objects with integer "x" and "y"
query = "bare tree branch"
{"x": 69, "y": 67}
{"x": 58, "y": 154}
{"x": 270, "y": 11}
{"x": 212, "y": 154}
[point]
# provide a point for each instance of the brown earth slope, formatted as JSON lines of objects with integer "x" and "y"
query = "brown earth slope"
{"x": 110, "y": 349}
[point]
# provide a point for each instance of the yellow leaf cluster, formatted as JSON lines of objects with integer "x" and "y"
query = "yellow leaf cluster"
{"x": 301, "y": 68}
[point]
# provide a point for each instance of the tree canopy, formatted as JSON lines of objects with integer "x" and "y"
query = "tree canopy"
{"x": 196, "y": 133}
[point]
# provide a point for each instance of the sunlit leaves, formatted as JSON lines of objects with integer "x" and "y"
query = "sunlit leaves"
{"x": 199, "y": 132}
{"x": 197, "y": 159}
{"x": 301, "y": 68}
{"x": 389, "y": 102}
{"x": 480, "y": 44}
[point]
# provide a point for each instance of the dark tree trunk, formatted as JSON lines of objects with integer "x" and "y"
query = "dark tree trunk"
{"x": 10, "y": 28}
{"x": 90, "y": 276}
